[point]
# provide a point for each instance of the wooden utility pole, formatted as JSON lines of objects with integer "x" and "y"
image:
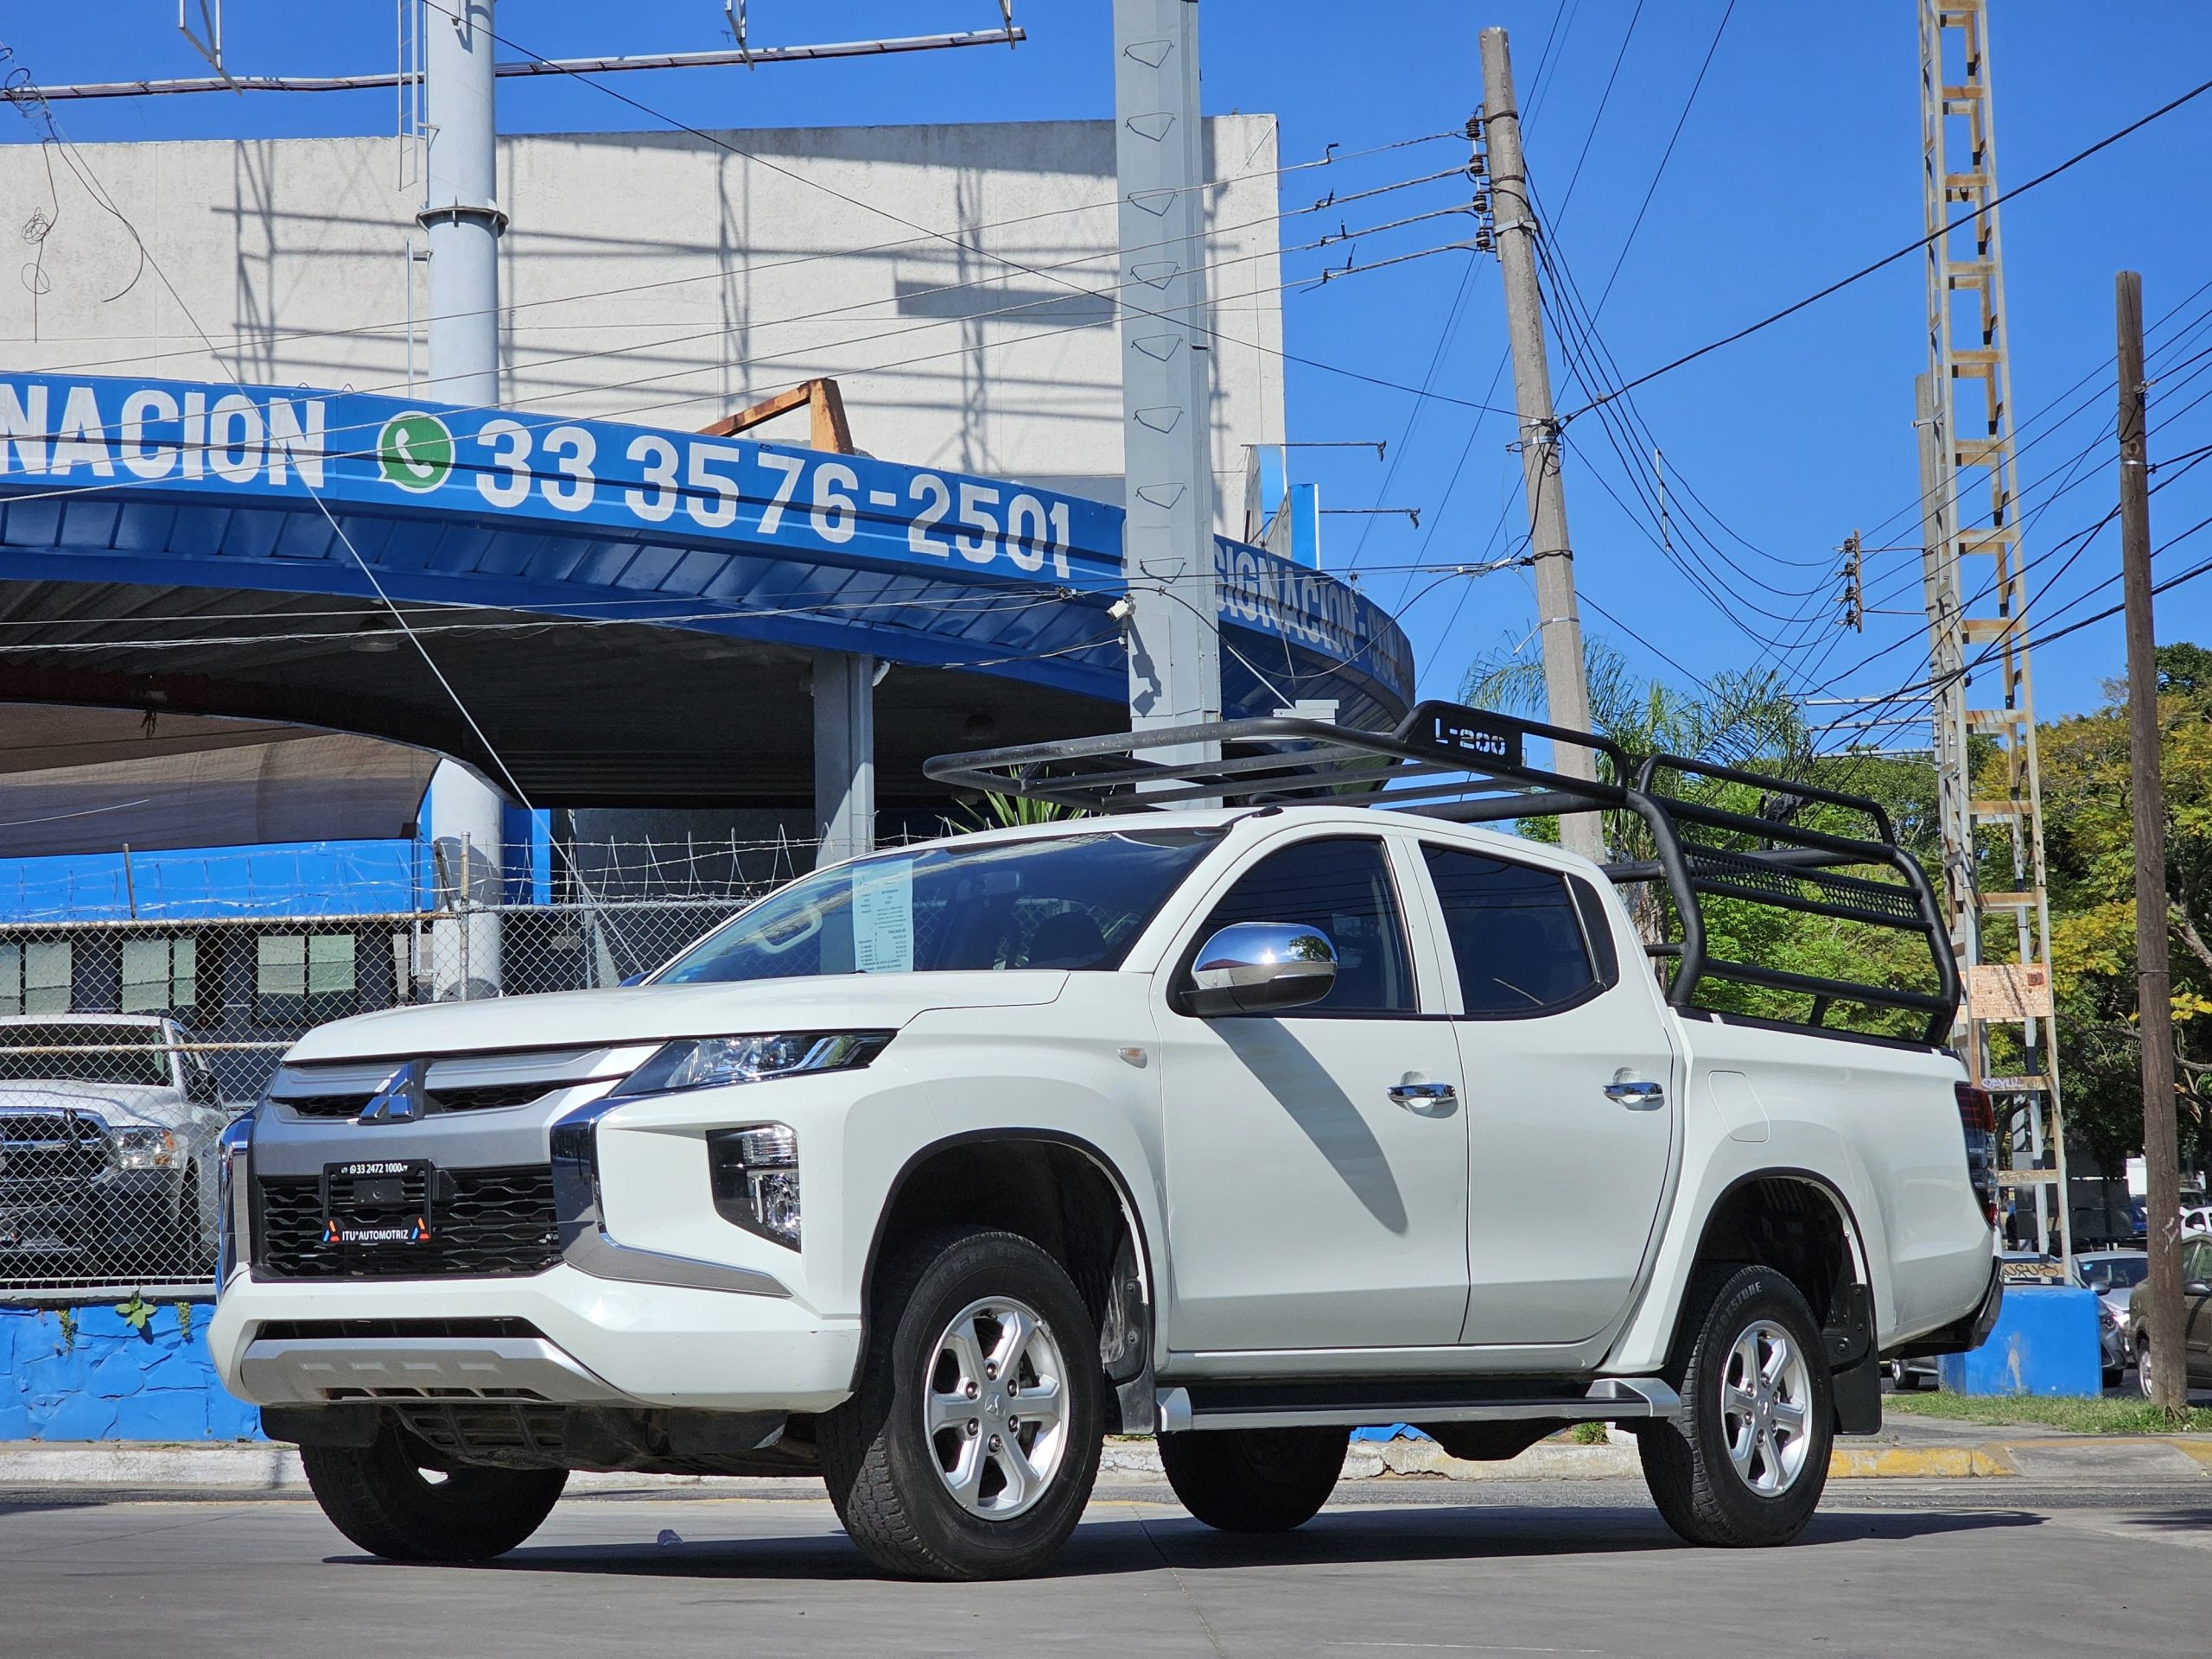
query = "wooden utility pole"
{"x": 1566, "y": 684}
{"x": 2154, "y": 985}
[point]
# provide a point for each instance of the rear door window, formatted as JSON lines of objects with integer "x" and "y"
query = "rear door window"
{"x": 1515, "y": 934}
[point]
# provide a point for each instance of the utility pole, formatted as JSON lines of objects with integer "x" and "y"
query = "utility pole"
{"x": 2154, "y": 984}
{"x": 460, "y": 215}
{"x": 1567, "y": 684}
{"x": 1168, "y": 553}
{"x": 461, "y": 223}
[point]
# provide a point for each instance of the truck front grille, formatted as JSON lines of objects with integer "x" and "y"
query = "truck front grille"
{"x": 461, "y": 1097}
{"x": 485, "y": 1223}
{"x": 50, "y": 1147}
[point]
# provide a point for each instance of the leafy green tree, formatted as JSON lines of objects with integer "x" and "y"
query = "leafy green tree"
{"x": 2089, "y": 837}
{"x": 1746, "y": 720}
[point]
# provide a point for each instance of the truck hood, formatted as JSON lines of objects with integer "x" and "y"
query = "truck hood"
{"x": 648, "y": 1014}
{"x": 119, "y": 1102}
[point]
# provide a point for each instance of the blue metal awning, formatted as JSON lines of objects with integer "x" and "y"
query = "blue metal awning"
{"x": 530, "y": 514}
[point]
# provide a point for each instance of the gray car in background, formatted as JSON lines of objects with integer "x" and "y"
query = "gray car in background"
{"x": 2112, "y": 1274}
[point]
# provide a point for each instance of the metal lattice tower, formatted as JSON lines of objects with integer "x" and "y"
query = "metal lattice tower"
{"x": 1974, "y": 573}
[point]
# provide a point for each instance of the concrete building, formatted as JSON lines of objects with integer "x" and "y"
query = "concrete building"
{"x": 669, "y": 279}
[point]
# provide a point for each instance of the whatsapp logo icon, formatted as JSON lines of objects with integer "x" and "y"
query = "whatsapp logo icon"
{"x": 415, "y": 451}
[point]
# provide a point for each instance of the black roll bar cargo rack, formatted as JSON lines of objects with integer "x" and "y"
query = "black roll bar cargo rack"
{"x": 1447, "y": 760}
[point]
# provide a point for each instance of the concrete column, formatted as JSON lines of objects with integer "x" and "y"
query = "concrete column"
{"x": 461, "y": 212}
{"x": 468, "y": 837}
{"x": 844, "y": 755}
{"x": 1174, "y": 630}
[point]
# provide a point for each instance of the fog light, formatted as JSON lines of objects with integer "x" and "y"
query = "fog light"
{"x": 144, "y": 1149}
{"x": 755, "y": 1173}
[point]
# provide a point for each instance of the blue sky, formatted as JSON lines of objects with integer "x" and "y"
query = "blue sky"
{"x": 1798, "y": 163}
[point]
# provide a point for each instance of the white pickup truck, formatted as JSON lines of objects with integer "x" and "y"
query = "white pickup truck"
{"x": 1241, "y": 1110}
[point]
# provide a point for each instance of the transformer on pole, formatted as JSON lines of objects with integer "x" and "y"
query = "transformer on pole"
{"x": 1974, "y": 573}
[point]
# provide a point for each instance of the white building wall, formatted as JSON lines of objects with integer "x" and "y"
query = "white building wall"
{"x": 667, "y": 279}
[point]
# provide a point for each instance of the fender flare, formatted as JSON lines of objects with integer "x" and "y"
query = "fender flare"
{"x": 1132, "y": 1218}
{"x": 1853, "y": 1239}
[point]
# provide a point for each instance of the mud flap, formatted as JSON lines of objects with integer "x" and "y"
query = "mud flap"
{"x": 1854, "y": 1369}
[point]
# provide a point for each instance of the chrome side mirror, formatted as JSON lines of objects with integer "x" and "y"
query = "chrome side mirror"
{"x": 1259, "y": 968}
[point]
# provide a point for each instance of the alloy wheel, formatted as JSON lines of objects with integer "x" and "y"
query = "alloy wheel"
{"x": 1765, "y": 1408}
{"x": 995, "y": 1409}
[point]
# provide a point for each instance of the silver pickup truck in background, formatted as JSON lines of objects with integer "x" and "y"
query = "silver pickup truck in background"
{"x": 108, "y": 1131}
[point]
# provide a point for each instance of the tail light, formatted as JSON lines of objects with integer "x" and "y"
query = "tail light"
{"x": 1979, "y": 1119}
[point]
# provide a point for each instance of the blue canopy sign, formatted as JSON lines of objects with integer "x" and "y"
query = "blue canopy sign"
{"x": 780, "y": 520}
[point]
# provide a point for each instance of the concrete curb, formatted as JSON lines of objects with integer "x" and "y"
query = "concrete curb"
{"x": 1918, "y": 1462}
{"x": 259, "y": 1466}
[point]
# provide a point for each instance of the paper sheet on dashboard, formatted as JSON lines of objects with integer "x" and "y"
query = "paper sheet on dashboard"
{"x": 883, "y": 916}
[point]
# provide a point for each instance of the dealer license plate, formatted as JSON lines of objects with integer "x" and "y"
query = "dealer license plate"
{"x": 378, "y": 1204}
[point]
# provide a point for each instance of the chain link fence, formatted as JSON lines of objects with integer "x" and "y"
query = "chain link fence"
{"x": 126, "y": 1046}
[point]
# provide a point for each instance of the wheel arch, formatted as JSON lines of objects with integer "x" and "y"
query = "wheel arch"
{"x": 974, "y": 1189}
{"x": 1754, "y": 1219}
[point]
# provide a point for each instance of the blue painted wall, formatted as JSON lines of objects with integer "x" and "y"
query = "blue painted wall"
{"x": 107, "y": 1382}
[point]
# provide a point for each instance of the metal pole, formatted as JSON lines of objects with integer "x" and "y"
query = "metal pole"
{"x": 1167, "y": 552}
{"x": 1567, "y": 686}
{"x": 2154, "y": 986}
{"x": 844, "y": 755}
{"x": 461, "y": 212}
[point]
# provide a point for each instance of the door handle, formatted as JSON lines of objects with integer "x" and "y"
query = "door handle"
{"x": 1637, "y": 1096}
{"x": 1424, "y": 1097}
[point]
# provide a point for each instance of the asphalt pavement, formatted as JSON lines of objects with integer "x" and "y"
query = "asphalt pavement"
{"x": 2014, "y": 1566}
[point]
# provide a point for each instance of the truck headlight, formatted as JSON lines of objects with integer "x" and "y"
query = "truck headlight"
{"x": 711, "y": 1062}
{"x": 144, "y": 1149}
{"x": 755, "y": 1173}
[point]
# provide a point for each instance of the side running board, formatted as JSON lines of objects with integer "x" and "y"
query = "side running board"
{"x": 1260, "y": 1405}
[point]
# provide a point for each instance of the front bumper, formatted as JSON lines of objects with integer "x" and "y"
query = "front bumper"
{"x": 109, "y": 1217}
{"x": 582, "y": 1338}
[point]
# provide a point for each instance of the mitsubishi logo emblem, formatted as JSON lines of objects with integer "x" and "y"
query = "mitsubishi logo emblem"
{"x": 400, "y": 1099}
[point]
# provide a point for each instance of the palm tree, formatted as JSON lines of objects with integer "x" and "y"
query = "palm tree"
{"x": 1738, "y": 718}
{"x": 1743, "y": 715}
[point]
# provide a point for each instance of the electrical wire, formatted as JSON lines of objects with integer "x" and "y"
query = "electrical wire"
{"x": 1915, "y": 246}
{"x": 1197, "y": 327}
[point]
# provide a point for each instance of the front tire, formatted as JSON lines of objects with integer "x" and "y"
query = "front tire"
{"x": 1747, "y": 1461}
{"x": 2143, "y": 1372}
{"x": 970, "y": 1447}
{"x": 1254, "y": 1479}
{"x": 383, "y": 1498}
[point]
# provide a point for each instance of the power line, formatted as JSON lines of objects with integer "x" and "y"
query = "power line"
{"x": 1912, "y": 247}
{"x": 441, "y": 6}
{"x": 1665, "y": 156}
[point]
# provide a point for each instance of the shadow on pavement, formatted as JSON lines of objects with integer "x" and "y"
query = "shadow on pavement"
{"x": 1338, "y": 1537}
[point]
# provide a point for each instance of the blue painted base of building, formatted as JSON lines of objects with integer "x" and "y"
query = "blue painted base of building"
{"x": 86, "y": 1374}
{"x": 2045, "y": 1342}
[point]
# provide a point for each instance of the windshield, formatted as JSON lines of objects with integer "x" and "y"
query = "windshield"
{"x": 130, "y": 1054}
{"x": 1073, "y": 901}
{"x": 2104, "y": 1272}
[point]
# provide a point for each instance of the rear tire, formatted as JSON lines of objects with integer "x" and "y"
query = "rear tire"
{"x": 1254, "y": 1479}
{"x": 381, "y": 1497}
{"x": 1747, "y": 1461}
{"x": 2143, "y": 1374}
{"x": 929, "y": 1491}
